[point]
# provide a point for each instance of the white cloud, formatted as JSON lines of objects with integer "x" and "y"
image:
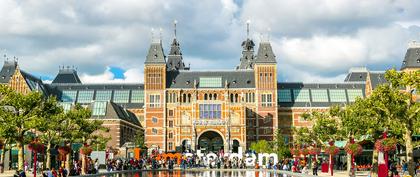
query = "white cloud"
{"x": 133, "y": 75}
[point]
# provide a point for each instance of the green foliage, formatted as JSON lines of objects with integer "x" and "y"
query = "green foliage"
{"x": 279, "y": 146}
{"x": 139, "y": 139}
{"x": 261, "y": 146}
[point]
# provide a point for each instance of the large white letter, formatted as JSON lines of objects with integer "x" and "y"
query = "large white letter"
{"x": 267, "y": 156}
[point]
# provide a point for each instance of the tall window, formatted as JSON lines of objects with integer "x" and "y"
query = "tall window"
{"x": 210, "y": 111}
{"x": 266, "y": 100}
{"x": 338, "y": 95}
{"x": 154, "y": 101}
{"x": 210, "y": 82}
{"x": 353, "y": 94}
{"x": 99, "y": 108}
{"x": 284, "y": 95}
{"x": 121, "y": 96}
{"x": 85, "y": 96}
{"x": 137, "y": 96}
{"x": 170, "y": 146}
{"x": 103, "y": 95}
{"x": 319, "y": 95}
{"x": 301, "y": 95}
{"x": 69, "y": 95}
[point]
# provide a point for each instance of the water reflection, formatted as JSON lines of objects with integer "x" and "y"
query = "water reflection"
{"x": 206, "y": 173}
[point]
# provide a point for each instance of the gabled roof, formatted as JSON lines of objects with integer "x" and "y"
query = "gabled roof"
{"x": 35, "y": 84}
{"x": 377, "y": 78}
{"x": 412, "y": 56}
{"x": 356, "y": 74}
{"x": 265, "y": 54}
{"x": 155, "y": 54}
{"x": 234, "y": 79}
{"x": 67, "y": 75}
{"x": 114, "y": 111}
{"x": 7, "y": 71}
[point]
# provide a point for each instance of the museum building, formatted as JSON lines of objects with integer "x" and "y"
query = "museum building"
{"x": 180, "y": 109}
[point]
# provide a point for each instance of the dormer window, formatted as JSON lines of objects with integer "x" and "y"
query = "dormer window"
{"x": 266, "y": 55}
{"x": 418, "y": 60}
{"x": 404, "y": 62}
{"x": 155, "y": 55}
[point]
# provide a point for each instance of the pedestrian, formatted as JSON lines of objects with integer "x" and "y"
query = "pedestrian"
{"x": 315, "y": 168}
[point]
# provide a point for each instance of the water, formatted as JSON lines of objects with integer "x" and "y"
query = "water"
{"x": 204, "y": 173}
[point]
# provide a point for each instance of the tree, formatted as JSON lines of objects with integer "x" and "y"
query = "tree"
{"x": 261, "y": 146}
{"x": 27, "y": 109}
{"x": 139, "y": 139}
{"x": 51, "y": 126}
{"x": 279, "y": 146}
{"x": 402, "y": 110}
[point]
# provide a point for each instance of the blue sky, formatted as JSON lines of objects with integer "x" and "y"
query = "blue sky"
{"x": 107, "y": 40}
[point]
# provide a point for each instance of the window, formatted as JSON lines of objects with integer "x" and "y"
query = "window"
{"x": 319, "y": 95}
{"x": 69, "y": 96}
{"x": 154, "y": 131}
{"x": 284, "y": 95}
{"x": 267, "y": 131}
{"x": 66, "y": 106}
{"x": 266, "y": 100}
{"x": 171, "y": 98}
{"x": 85, "y": 96}
{"x": 103, "y": 95}
{"x": 210, "y": 82}
{"x": 137, "y": 96}
{"x": 353, "y": 94}
{"x": 99, "y": 108}
{"x": 210, "y": 111}
{"x": 121, "y": 96}
{"x": 154, "y": 101}
{"x": 171, "y": 123}
{"x": 171, "y": 135}
{"x": 250, "y": 122}
{"x": 301, "y": 95}
{"x": 154, "y": 120}
{"x": 170, "y": 113}
{"x": 338, "y": 95}
{"x": 170, "y": 146}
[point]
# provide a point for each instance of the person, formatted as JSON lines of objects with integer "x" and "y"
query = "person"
{"x": 315, "y": 168}
{"x": 54, "y": 173}
{"x": 22, "y": 174}
{"x": 404, "y": 166}
{"x": 16, "y": 174}
{"x": 305, "y": 169}
{"x": 96, "y": 166}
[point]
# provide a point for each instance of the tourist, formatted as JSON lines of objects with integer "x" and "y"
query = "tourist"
{"x": 305, "y": 170}
{"x": 54, "y": 173}
{"x": 315, "y": 168}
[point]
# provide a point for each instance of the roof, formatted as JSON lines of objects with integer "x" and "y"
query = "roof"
{"x": 377, "y": 78}
{"x": 7, "y": 71}
{"x": 155, "y": 54}
{"x": 234, "y": 79}
{"x": 175, "y": 57}
{"x": 265, "y": 54}
{"x": 356, "y": 74}
{"x": 115, "y": 111}
{"x": 412, "y": 56}
{"x": 57, "y": 90}
{"x": 317, "y": 86}
{"x": 35, "y": 83}
{"x": 67, "y": 75}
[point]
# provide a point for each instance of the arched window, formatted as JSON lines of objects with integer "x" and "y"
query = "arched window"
{"x": 189, "y": 98}
{"x": 184, "y": 98}
{"x": 236, "y": 98}
{"x": 231, "y": 97}
{"x": 205, "y": 96}
{"x": 215, "y": 96}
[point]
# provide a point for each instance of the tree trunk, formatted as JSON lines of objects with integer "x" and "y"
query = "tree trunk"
{"x": 409, "y": 152}
{"x": 48, "y": 153}
{"x": 374, "y": 171}
{"x": 3, "y": 154}
{"x": 20, "y": 146}
{"x": 348, "y": 164}
{"x": 68, "y": 158}
{"x": 83, "y": 164}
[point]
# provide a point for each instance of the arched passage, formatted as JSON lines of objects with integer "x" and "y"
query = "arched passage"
{"x": 235, "y": 146}
{"x": 210, "y": 141}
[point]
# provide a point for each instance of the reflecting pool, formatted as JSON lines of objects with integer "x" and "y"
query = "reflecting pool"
{"x": 199, "y": 173}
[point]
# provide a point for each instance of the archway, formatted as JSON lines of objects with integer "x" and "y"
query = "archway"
{"x": 210, "y": 141}
{"x": 235, "y": 146}
{"x": 186, "y": 145}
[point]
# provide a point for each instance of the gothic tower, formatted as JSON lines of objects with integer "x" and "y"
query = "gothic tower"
{"x": 154, "y": 90}
{"x": 265, "y": 67}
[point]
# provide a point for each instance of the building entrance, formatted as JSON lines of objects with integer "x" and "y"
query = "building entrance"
{"x": 210, "y": 141}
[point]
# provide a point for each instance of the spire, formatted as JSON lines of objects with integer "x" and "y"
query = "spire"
{"x": 175, "y": 61}
{"x": 246, "y": 61}
{"x": 247, "y": 28}
{"x": 155, "y": 54}
{"x": 175, "y": 22}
